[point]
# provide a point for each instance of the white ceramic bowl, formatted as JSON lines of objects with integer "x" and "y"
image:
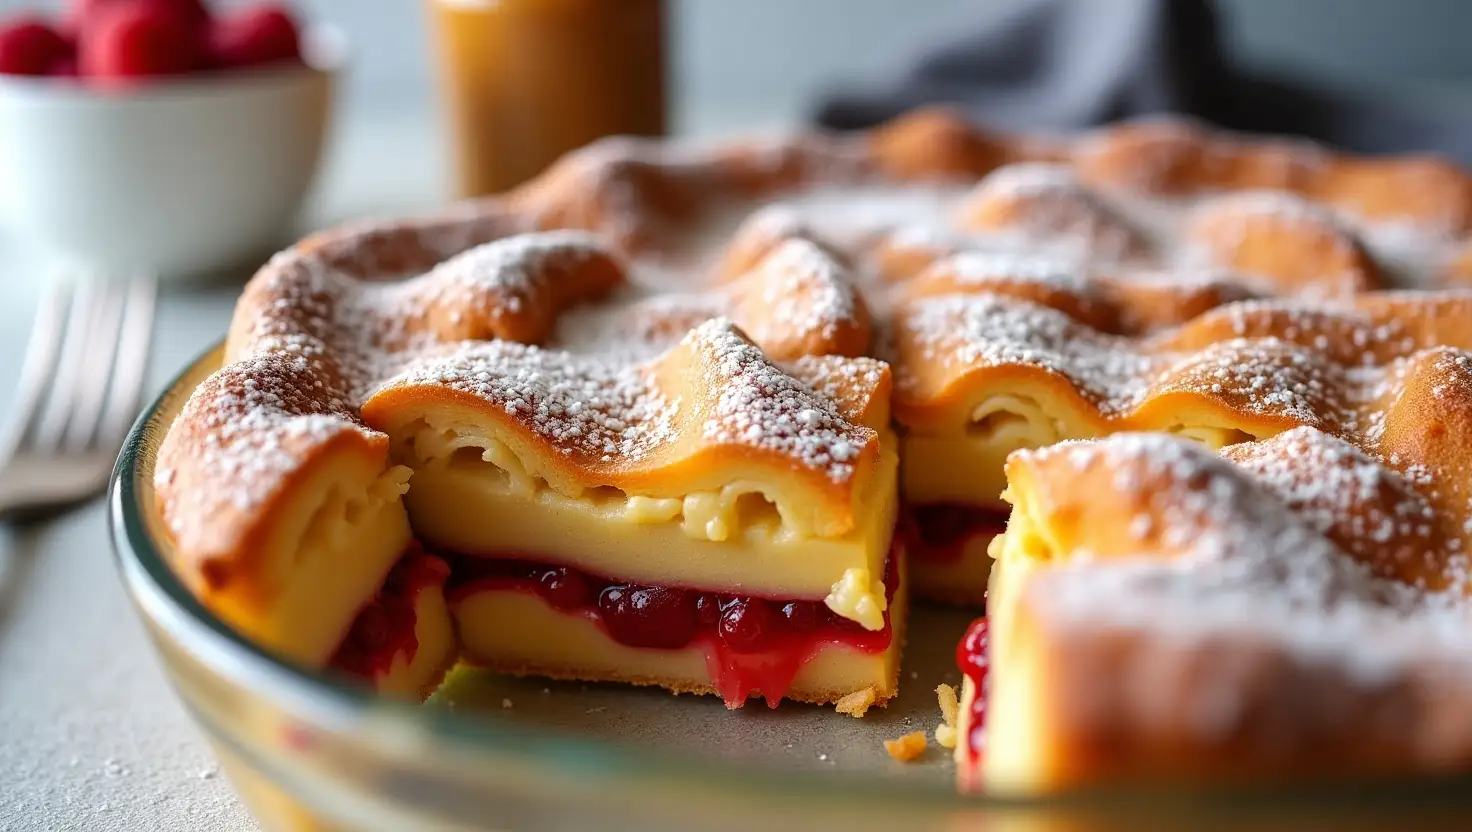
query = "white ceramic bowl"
{"x": 185, "y": 178}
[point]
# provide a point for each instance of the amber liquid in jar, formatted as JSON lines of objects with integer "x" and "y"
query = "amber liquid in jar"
{"x": 525, "y": 81}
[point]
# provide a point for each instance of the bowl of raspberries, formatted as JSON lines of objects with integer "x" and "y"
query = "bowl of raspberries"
{"x": 161, "y": 135}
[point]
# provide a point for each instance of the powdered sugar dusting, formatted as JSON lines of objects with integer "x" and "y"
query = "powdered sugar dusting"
{"x": 510, "y": 269}
{"x": 327, "y": 307}
{"x": 762, "y": 406}
{"x": 1031, "y": 179}
{"x": 586, "y": 406}
{"x": 619, "y": 413}
{"x": 1374, "y": 513}
{"x": 809, "y": 292}
{"x": 1046, "y": 204}
{"x": 1326, "y": 367}
{"x": 637, "y": 327}
{"x": 1283, "y": 548}
{"x": 972, "y": 332}
{"x": 259, "y": 420}
{"x": 982, "y": 268}
{"x": 314, "y": 341}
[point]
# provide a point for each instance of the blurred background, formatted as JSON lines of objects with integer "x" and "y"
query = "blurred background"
{"x": 766, "y": 60}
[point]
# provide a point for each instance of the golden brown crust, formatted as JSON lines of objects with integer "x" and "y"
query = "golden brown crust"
{"x": 379, "y": 318}
{"x": 1047, "y": 200}
{"x": 625, "y": 183}
{"x": 799, "y": 300}
{"x": 255, "y": 433}
{"x": 669, "y": 427}
{"x": 1132, "y": 303}
{"x": 1299, "y": 247}
{"x": 1255, "y": 366}
{"x": 315, "y": 339}
{"x": 1289, "y": 721}
{"x": 1295, "y": 611}
{"x": 935, "y": 143}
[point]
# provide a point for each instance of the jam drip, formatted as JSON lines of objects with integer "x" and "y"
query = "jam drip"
{"x": 941, "y": 530}
{"x": 753, "y": 645}
{"x": 385, "y": 627}
{"x": 973, "y": 659}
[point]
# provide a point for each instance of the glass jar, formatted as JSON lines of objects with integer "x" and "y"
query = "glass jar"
{"x": 524, "y": 81}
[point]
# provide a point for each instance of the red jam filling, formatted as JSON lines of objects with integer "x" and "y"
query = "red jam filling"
{"x": 941, "y": 530}
{"x": 753, "y": 645}
{"x": 972, "y": 657}
{"x": 386, "y": 625}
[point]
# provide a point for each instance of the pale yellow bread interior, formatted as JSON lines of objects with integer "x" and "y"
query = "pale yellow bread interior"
{"x": 1161, "y": 613}
{"x": 471, "y": 495}
{"x": 511, "y": 631}
{"x": 964, "y": 463}
{"x": 1015, "y": 756}
{"x": 333, "y": 544}
{"x": 962, "y": 580}
{"x": 416, "y": 677}
{"x": 960, "y": 460}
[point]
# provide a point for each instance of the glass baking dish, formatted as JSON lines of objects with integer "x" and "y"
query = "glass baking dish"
{"x": 308, "y": 752}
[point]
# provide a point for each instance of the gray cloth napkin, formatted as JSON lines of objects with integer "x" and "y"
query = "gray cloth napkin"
{"x": 1070, "y": 64}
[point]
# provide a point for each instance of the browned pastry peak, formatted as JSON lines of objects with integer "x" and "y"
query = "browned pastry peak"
{"x": 936, "y": 143}
{"x": 1292, "y": 242}
{"x": 1195, "y": 614}
{"x": 665, "y": 427}
{"x": 799, "y": 300}
{"x": 1046, "y": 200}
{"x": 761, "y": 233}
{"x": 1120, "y": 301}
{"x": 1258, "y": 366}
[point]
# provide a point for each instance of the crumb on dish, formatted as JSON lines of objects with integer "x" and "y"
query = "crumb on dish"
{"x": 945, "y": 733}
{"x": 856, "y": 704}
{"x": 907, "y": 748}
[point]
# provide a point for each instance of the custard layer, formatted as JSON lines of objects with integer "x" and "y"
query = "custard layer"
{"x": 961, "y": 460}
{"x": 414, "y": 674}
{"x": 513, "y": 631}
{"x": 1017, "y": 753}
{"x": 957, "y": 580}
{"x": 347, "y": 544}
{"x": 963, "y": 464}
{"x": 470, "y": 505}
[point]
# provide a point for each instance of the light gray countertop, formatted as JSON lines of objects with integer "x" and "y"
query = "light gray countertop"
{"x": 91, "y": 736}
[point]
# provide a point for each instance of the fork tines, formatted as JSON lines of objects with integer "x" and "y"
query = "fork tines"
{"x": 85, "y": 366}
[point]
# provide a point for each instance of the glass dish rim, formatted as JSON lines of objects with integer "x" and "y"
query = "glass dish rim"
{"x": 162, "y": 598}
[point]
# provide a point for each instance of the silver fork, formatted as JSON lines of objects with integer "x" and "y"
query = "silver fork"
{"x": 81, "y": 386}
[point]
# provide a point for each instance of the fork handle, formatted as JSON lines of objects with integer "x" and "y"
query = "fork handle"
{"x": 13, "y": 503}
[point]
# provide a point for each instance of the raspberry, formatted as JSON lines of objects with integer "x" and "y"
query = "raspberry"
{"x": 126, "y": 42}
{"x": 30, "y": 47}
{"x": 372, "y": 627}
{"x": 564, "y": 589}
{"x": 264, "y": 34}
{"x": 747, "y": 624}
{"x": 649, "y": 616}
{"x": 83, "y": 12}
{"x": 708, "y": 609}
{"x": 801, "y": 616}
{"x": 65, "y": 68}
